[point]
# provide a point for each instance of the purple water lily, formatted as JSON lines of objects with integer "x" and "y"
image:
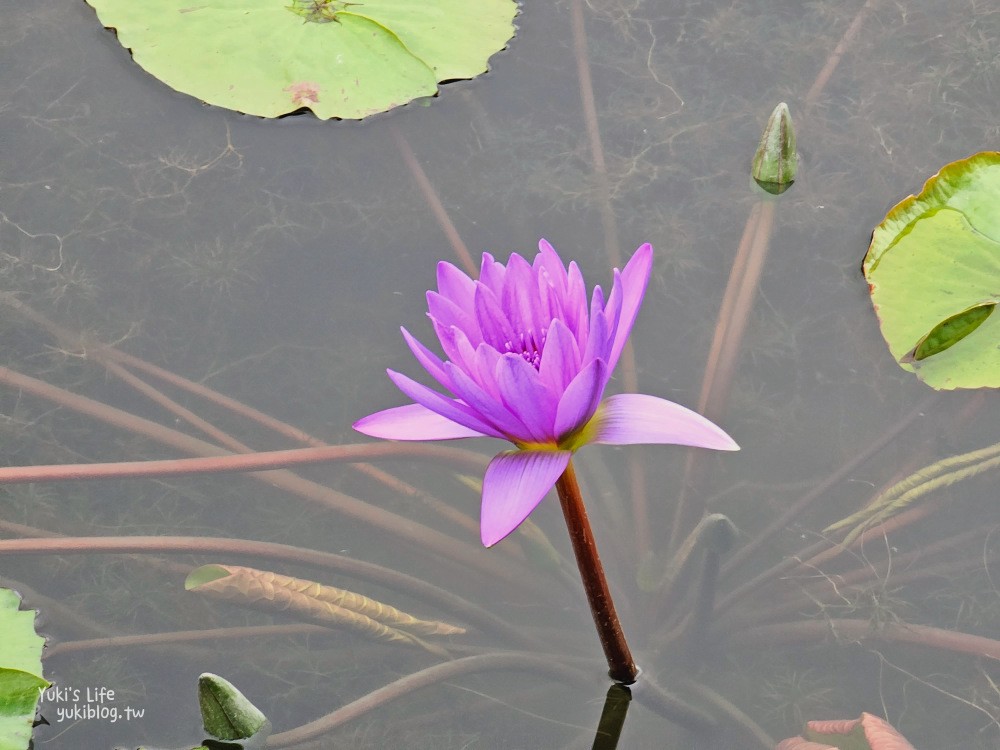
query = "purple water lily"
{"x": 527, "y": 362}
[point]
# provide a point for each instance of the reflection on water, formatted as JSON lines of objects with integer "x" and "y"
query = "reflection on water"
{"x": 275, "y": 261}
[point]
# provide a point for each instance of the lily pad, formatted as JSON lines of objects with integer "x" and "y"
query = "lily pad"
{"x": 337, "y": 58}
{"x": 933, "y": 269}
{"x": 21, "y": 680}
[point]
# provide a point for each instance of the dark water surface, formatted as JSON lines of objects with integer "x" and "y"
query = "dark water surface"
{"x": 274, "y": 261}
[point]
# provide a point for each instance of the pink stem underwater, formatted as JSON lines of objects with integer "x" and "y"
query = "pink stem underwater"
{"x": 243, "y": 462}
{"x": 820, "y": 631}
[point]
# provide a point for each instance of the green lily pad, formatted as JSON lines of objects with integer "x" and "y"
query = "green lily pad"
{"x": 337, "y": 58}
{"x": 933, "y": 270}
{"x": 21, "y": 680}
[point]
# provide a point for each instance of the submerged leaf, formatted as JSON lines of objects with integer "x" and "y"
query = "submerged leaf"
{"x": 308, "y": 600}
{"x": 904, "y": 493}
{"x": 714, "y": 533}
{"x": 869, "y": 732}
{"x": 933, "y": 270}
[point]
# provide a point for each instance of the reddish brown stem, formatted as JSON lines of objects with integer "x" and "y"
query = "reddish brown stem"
{"x": 722, "y": 337}
{"x": 734, "y": 315}
{"x": 582, "y": 58}
{"x": 838, "y": 52}
{"x": 450, "y": 670}
{"x": 211, "y": 464}
{"x": 434, "y": 202}
{"x": 172, "y": 407}
{"x": 817, "y": 631}
{"x": 621, "y": 665}
{"x": 147, "y": 640}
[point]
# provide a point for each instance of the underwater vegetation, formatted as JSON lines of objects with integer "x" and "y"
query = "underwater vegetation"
{"x": 198, "y": 305}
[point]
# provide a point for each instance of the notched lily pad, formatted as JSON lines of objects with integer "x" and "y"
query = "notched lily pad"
{"x": 21, "y": 680}
{"x": 336, "y": 57}
{"x": 933, "y": 269}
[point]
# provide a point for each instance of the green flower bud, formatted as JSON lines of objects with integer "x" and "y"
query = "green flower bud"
{"x": 775, "y": 162}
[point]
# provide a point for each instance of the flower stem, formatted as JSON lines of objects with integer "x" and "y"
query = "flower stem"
{"x": 621, "y": 665}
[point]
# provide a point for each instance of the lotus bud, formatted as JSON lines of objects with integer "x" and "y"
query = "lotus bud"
{"x": 775, "y": 162}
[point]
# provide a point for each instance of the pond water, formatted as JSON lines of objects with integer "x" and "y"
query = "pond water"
{"x": 274, "y": 261}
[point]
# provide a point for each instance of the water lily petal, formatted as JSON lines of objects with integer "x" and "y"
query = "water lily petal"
{"x": 550, "y": 268}
{"x": 551, "y": 279}
{"x": 526, "y": 398}
{"x": 489, "y": 408}
{"x": 630, "y": 418}
{"x": 455, "y": 285}
{"x": 448, "y": 408}
{"x": 412, "y": 422}
{"x": 597, "y": 299}
{"x": 514, "y": 484}
{"x": 445, "y": 314}
{"x": 487, "y": 360}
{"x": 520, "y": 301}
{"x": 574, "y": 305}
{"x": 497, "y": 331}
{"x": 581, "y": 398}
{"x": 613, "y": 310}
{"x": 459, "y": 350}
{"x": 560, "y": 360}
{"x": 430, "y": 361}
{"x": 634, "y": 279}
{"x": 491, "y": 274}
{"x": 599, "y": 339}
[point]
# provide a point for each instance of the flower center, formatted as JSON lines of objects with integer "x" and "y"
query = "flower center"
{"x": 528, "y": 346}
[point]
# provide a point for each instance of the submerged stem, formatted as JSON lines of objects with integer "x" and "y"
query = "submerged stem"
{"x": 621, "y": 665}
